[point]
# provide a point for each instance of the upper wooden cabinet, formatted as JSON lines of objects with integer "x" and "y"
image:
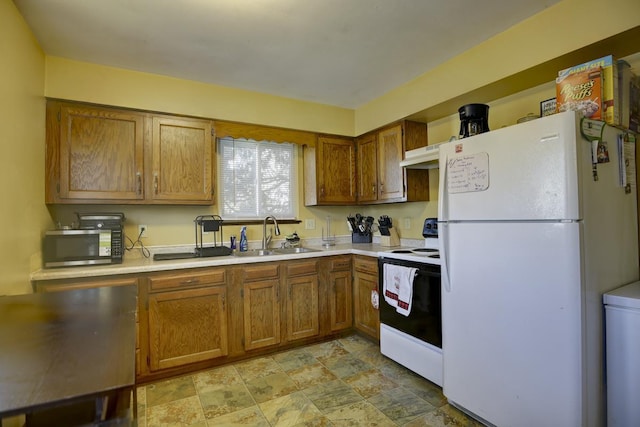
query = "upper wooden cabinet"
{"x": 94, "y": 154}
{"x": 330, "y": 172}
{"x": 182, "y": 152}
{"x": 380, "y": 177}
{"x": 107, "y": 155}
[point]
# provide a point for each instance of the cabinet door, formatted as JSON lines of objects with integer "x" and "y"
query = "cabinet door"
{"x": 187, "y": 326}
{"x": 302, "y": 307}
{"x": 336, "y": 164}
{"x": 261, "y": 314}
{"x": 101, "y": 154}
{"x": 390, "y": 174}
{"x": 182, "y": 160}
{"x": 340, "y": 300}
{"x": 367, "y": 318}
{"x": 367, "y": 151}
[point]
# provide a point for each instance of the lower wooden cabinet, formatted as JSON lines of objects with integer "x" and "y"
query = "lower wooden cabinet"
{"x": 302, "y": 297}
{"x": 187, "y": 318}
{"x": 187, "y": 326}
{"x": 198, "y": 318}
{"x": 340, "y": 293}
{"x": 365, "y": 278}
{"x": 261, "y": 303}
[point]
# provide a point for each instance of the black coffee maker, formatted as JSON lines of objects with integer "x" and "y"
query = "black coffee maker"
{"x": 474, "y": 119}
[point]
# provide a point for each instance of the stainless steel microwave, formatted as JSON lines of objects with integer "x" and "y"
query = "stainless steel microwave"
{"x": 66, "y": 248}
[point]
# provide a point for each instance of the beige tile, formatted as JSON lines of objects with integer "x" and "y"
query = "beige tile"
{"x": 373, "y": 357}
{"x": 225, "y": 400}
{"x": 400, "y": 405}
{"x": 141, "y": 395}
{"x": 294, "y": 359}
{"x": 356, "y": 343}
{"x": 358, "y": 414}
{"x": 170, "y": 390}
{"x": 216, "y": 378}
{"x": 257, "y": 368}
{"x": 327, "y": 351}
{"x": 369, "y": 383}
{"x": 293, "y": 410}
{"x": 308, "y": 376}
{"x": 272, "y": 386}
{"x": 248, "y": 417}
{"x": 446, "y": 416}
{"x": 425, "y": 389}
{"x": 347, "y": 365}
{"x": 331, "y": 395}
{"x": 182, "y": 412}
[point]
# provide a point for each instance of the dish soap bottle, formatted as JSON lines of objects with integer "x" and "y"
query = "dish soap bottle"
{"x": 243, "y": 240}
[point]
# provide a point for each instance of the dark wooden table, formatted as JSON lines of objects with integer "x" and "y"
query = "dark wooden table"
{"x": 61, "y": 347}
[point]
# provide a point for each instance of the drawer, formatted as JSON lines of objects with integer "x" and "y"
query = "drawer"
{"x": 366, "y": 265}
{"x": 261, "y": 272}
{"x": 173, "y": 281}
{"x": 302, "y": 268}
{"x": 343, "y": 263}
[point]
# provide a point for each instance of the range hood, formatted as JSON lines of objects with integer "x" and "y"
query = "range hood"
{"x": 421, "y": 158}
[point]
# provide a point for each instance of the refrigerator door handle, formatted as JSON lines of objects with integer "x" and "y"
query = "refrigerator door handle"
{"x": 443, "y": 228}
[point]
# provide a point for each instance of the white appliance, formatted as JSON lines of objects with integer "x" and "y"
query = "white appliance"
{"x": 529, "y": 242}
{"x": 622, "y": 315}
{"x": 414, "y": 340}
{"x": 421, "y": 158}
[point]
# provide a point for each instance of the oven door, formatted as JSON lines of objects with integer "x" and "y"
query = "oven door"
{"x": 424, "y": 322}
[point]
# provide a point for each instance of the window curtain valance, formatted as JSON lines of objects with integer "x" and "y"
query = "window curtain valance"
{"x": 236, "y": 130}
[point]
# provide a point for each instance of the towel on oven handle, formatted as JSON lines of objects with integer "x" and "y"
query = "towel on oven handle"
{"x": 398, "y": 287}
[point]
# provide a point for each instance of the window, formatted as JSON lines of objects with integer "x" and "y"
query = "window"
{"x": 257, "y": 179}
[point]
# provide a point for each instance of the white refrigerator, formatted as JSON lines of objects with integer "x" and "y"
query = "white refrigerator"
{"x": 529, "y": 243}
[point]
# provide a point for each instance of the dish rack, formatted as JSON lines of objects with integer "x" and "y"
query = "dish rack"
{"x": 210, "y": 224}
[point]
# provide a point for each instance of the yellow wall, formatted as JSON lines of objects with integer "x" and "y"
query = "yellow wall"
{"x": 538, "y": 39}
{"x": 23, "y": 213}
{"x": 114, "y": 86}
{"x": 558, "y": 30}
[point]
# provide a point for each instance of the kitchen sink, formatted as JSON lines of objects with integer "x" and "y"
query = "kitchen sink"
{"x": 294, "y": 250}
{"x": 256, "y": 252}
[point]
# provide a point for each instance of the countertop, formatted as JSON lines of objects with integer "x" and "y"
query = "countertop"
{"x": 139, "y": 264}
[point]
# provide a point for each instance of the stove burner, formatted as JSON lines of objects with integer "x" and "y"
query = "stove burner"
{"x": 401, "y": 251}
{"x": 434, "y": 256}
{"x": 424, "y": 250}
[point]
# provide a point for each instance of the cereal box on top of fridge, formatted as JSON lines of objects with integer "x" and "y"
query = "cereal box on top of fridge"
{"x": 609, "y": 100}
{"x": 581, "y": 91}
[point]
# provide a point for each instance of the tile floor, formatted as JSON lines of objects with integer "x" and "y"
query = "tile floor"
{"x": 345, "y": 382}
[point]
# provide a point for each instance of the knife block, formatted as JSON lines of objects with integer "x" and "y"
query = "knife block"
{"x": 391, "y": 240}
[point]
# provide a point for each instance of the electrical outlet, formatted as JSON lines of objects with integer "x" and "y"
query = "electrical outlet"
{"x": 407, "y": 223}
{"x": 309, "y": 224}
{"x": 142, "y": 230}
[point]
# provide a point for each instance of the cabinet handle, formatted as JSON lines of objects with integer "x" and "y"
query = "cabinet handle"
{"x": 322, "y": 190}
{"x": 373, "y": 189}
{"x": 155, "y": 183}
{"x": 381, "y": 187}
{"x": 223, "y": 303}
{"x": 139, "y": 177}
{"x": 190, "y": 282}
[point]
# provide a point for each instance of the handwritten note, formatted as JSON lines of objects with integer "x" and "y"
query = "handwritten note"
{"x": 468, "y": 173}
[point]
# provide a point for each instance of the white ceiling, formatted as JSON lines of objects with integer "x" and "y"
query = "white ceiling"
{"x": 337, "y": 52}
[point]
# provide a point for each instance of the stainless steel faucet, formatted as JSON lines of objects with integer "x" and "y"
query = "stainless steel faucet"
{"x": 266, "y": 240}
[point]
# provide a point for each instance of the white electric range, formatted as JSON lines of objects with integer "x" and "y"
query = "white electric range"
{"x": 413, "y": 340}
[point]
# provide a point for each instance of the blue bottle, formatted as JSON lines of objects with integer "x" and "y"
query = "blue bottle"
{"x": 243, "y": 240}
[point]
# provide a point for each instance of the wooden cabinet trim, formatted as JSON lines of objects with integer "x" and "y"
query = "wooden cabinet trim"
{"x": 187, "y": 280}
{"x": 298, "y": 268}
{"x": 261, "y": 272}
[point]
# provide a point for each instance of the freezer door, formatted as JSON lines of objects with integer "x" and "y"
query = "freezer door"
{"x": 524, "y": 172}
{"x": 512, "y": 335}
